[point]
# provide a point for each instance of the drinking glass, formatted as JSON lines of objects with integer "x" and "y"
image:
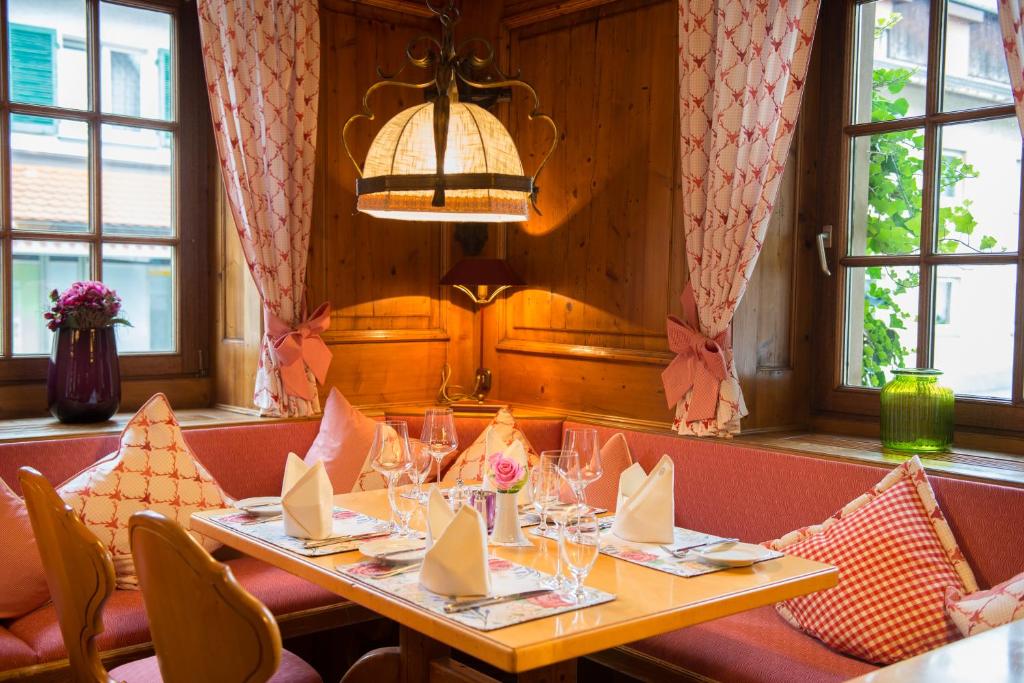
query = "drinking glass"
{"x": 439, "y": 435}
{"x": 389, "y": 455}
{"x": 420, "y": 468}
{"x": 405, "y": 504}
{"x": 559, "y": 500}
{"x": 578, "y": 544}
{"x": 540, "y": 495}
{"x": 585, "y": 468}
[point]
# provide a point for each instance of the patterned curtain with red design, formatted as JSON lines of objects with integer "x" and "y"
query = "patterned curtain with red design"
{"x": 741, "y": 76}
{"x": 1011, "y": 20}
{"x": 262, "y": 60}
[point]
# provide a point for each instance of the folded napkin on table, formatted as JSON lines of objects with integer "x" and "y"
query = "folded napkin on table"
{"x": 439, "y": 515}
{"x": 307, "y": 499}
{"x": 456, "y": 564}
{"x": 645, "y": 512}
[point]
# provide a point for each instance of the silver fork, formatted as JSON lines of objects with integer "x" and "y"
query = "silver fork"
{"x": 684, "y": 550}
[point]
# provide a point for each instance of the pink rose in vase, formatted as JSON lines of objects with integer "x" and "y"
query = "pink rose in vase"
{"x": 509, "y": 474}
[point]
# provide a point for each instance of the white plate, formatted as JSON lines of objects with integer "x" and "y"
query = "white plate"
{"x": 395, "y": 550}
{"x": 263, "y": 506}
{"x": 734, "y": 555}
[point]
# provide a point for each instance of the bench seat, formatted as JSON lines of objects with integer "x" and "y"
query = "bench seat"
{"x": 751, "y": 647}
{"x": 14, "y": 652}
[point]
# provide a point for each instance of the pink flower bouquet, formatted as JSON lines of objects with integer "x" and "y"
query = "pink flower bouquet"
{"x": 508, "y": 473}
{"x": 84, "y": 305}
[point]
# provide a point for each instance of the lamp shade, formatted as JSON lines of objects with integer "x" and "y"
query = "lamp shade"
{"x": 493, "y": 272}
{"x": 483, "y": 175}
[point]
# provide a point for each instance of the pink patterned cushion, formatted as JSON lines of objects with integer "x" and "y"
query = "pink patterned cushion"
{"x": 21, "y": 569}
{"x": 984, "y": 610}
{"x": 896, "y": 557}
{"x": 615, "y": 458}
{"x": 291, "y": 670}
{"x": 14, "y": 652}
{"x": 503, "y": 429}
{"x": 343, "y": 442}
{"x": 153, "y": 469}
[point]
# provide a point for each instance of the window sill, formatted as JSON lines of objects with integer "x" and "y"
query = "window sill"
{"x": 967, "y": 463}
{"x": 40, "y": 428}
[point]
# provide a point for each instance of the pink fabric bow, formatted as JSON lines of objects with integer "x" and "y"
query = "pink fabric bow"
{"x": 299, "y": 348}
{"x": 700, "y": 364}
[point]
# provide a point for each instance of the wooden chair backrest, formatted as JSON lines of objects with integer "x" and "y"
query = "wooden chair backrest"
{"x": 205, "y": 626}
{"x": 79, "y": 572}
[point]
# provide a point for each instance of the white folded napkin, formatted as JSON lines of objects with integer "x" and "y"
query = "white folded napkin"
{"x": 439, "y": 515}
{"x": 307, "y": 499}
{"x": 645, "y": 512}
{"x": 456, "y": 564}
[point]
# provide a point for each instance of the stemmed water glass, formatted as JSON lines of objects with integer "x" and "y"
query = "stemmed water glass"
{"x": 557, "y": 500}
{"x": 405, "y": 505}
{"x": 578, "y": 545}
{"x": 439, "y": 435}
{"x": 389, "y": 455}
{"x": 584, "y": 468}
{"x": 419, "y": 469}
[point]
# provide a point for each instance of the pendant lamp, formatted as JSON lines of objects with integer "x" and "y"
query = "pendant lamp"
{"x": 447, "y": 160}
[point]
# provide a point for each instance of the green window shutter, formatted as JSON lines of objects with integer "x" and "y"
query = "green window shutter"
{"x": 33, "y": 51}
{"x": 163, "y": 62}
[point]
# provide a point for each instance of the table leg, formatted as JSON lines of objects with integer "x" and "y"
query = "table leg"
{"x": 562, "y": 672}
{"x": 418, "y": 651}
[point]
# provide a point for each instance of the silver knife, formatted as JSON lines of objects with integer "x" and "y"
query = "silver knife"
{"x": 464, "y": 605}
{"x": 335, "y": 540}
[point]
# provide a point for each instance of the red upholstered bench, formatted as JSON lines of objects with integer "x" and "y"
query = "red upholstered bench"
{"x": 247, "y": 460}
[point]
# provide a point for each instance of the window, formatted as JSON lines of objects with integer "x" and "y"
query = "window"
{"x": 929, "y": 191}
{"x": 91, "y": 162}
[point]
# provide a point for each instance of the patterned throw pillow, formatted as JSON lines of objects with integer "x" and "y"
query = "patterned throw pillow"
{"x": 984, "y": 610}
{"x": 469, "y": 466}
{"x": 896, "y": 557}
{"x": 615, "y": 459}
{"x": 22, "y": 580}
{"x": 343, "y": 444}
{"x": 153, "y": 469}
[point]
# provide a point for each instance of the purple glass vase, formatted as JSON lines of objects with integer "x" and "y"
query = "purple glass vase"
{"x": 83, "y": 382}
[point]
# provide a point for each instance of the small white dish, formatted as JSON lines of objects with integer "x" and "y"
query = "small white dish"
{"x": 262, "y": 506}
{"x": 395, "y": 550}
{"x": 734, "y": 554}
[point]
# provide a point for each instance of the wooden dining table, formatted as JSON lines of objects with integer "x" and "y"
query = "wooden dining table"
{"x": 648, "y": 602}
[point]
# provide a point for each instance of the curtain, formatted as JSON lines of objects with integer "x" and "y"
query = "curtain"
{"x": 741, "y": 76}
{"x": 262, "y": 60}
{"x": 1011, "y": 20}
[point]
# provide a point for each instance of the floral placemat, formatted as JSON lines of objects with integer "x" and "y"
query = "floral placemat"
{"x": 654, "y": 556}
{"x": 506, "y": 578}
{"x": 271, "y": 530}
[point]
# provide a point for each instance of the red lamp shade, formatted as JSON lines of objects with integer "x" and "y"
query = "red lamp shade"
{"x": 482, "y": 279}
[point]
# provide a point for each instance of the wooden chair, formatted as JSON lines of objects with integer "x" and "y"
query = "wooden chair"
{"x": 205, "y": 626}
{"x": 215, "y": 632}
{"x": 79, "y": 572}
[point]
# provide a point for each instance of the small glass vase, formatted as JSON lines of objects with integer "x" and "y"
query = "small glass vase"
{"x": 83, "y": 380}
{"x": 917, "y": 412}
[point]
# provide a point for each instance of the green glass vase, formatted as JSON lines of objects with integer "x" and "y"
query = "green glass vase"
{"x": 917, "y": 412}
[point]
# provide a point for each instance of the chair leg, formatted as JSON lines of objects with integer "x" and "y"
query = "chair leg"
{"x": 376, "y": 666}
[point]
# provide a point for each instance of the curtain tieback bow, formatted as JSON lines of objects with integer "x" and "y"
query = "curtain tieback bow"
{"x": 300, "y": 347}
{"x": 701, "y": 363}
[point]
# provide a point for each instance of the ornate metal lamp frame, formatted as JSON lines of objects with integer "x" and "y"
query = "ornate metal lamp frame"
{"x": 472, "y": 63}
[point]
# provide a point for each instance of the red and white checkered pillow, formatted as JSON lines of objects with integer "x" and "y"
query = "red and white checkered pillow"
{"x": 984, "y": 610}
{"x": 153, "y": 469}
{"x": 896, "y": 557}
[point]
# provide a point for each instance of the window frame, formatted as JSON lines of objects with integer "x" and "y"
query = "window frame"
{"x": 191, "y": 163}
{"x": 832, "y": 399}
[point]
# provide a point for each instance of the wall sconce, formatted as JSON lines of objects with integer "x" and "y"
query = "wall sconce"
{"x": 482, "y": 280}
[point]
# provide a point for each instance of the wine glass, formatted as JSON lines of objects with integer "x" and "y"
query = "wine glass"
{"x": 421, "y": 459}
{"x": 389, "y": 455}
{"x": 578, "y": 544}
{"x": 439, "y": 435}
{"x": 405, "y": 504}
{"x": 584, "y": 469}
{"x": 540, "y": 496}
{"x": 558, "y": 500}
